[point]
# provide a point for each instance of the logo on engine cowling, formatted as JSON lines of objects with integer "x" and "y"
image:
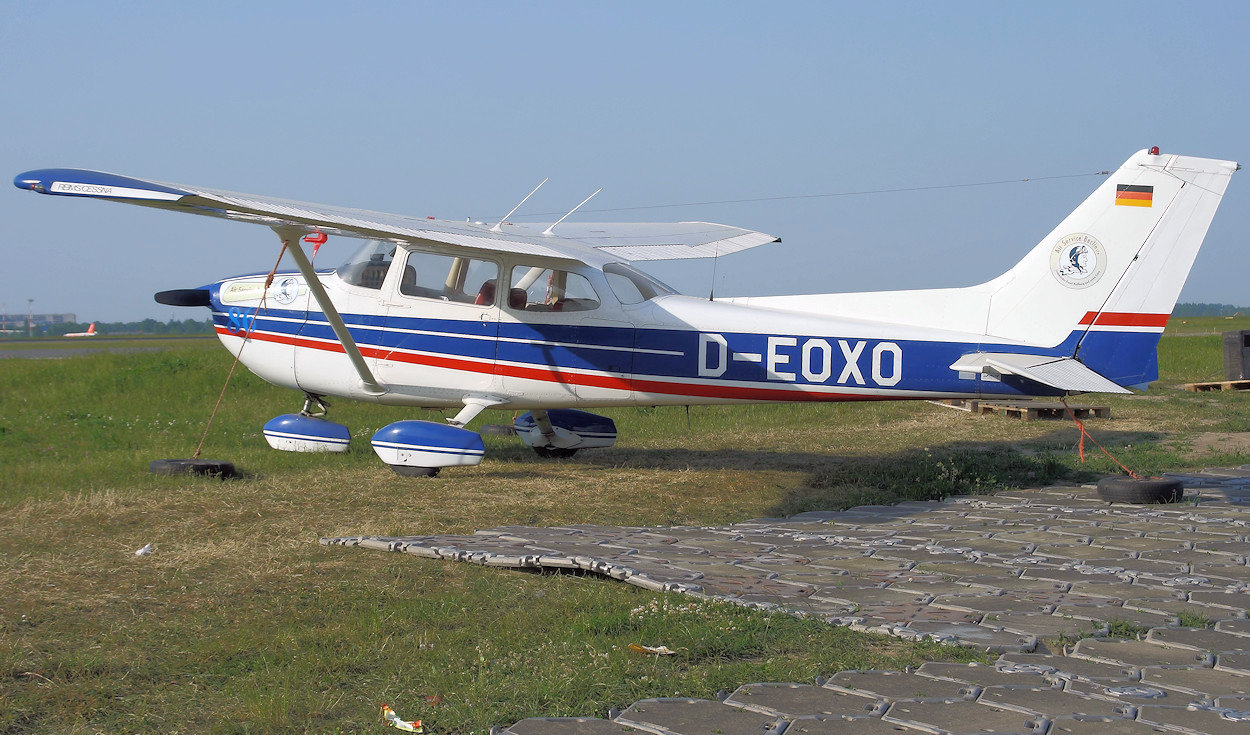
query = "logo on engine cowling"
{"x": 288, "y": 290}
{"x": 1078, "y": 260}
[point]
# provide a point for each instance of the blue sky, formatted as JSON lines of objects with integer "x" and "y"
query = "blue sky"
{"x": 459, "y": 109}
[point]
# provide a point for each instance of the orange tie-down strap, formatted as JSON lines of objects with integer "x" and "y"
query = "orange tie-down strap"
{"x": 1080, "y": 447}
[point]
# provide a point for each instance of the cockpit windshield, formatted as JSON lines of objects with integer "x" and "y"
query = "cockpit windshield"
{"x": 367, "y": 266}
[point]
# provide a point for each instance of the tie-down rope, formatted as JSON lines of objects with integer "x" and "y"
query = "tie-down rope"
{"x": 246, "y": 336}
{"x": 1080, "y": 447}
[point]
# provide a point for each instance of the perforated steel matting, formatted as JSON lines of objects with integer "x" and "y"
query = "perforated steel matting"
{"x": 995, "y": 572}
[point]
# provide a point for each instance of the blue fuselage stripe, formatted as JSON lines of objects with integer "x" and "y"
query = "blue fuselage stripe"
{"x": 783, "y": 360}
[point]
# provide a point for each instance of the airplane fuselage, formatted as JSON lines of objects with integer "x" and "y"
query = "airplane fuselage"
{"x": 666, "y": 350}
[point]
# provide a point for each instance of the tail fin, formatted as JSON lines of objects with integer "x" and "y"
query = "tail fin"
{"x": 91, "y": 329}
{"x": 1102, "y": 284}
{"x": 1096, "y": 291}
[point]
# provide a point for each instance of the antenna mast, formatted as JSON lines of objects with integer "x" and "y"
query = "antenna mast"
{"x": 571, "y": 211}
{"x": 499, "y": 225}
{"x": 711, "y": 293}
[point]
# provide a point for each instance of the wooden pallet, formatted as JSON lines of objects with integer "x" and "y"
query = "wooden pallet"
{"x": 1218, "y": 385}
{"x": 959, "y": 404}
{"x": 1027, "y": 410}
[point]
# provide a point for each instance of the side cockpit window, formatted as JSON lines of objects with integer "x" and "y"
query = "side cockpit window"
{"x": 367, "y": 266}
{"x": 535, "y": 288}
{"x": 449, "y": 278}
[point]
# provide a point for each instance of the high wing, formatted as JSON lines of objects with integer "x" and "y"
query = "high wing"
{"x": 580, "y": 241}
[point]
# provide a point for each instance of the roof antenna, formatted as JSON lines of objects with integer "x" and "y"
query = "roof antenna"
{"x": 711, "y": 293}
{"x": 498, "y": 226}
{"x": 571, "y": 211}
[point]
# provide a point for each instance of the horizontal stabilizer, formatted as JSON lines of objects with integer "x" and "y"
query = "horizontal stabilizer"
{"x": 1064, "y": 373}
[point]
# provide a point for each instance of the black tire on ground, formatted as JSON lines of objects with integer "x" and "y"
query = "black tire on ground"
{"x": 1140, "y": 491}
{"x": 209, "y": 467}
{"x": 554, "y": 452}
{"x": 407, "y": 471}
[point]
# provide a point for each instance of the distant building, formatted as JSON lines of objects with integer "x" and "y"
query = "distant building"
{"x": 37, "y": 320}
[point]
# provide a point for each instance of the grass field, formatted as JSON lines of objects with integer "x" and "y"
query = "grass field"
{"x": 1206, "y": 324}
{"x": 102, "y": 342}
{"x": 241, "y": 622}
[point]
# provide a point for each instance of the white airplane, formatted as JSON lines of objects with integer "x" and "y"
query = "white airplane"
{"x": 89, "y": 333}
{"x": 554, "y": 319}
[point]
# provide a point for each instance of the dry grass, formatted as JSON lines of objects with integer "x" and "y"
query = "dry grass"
{"x": 240, "y": 621}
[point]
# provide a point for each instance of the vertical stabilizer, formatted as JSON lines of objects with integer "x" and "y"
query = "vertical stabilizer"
{"x": 1103, "y": 282}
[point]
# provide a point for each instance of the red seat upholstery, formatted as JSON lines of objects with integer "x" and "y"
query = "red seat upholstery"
{"x": 486, "y": 294}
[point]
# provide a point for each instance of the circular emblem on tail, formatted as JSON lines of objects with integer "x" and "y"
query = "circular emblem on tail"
{"x": 1078, "y": 260}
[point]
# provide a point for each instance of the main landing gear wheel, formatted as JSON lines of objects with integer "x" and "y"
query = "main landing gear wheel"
{"x": 554, "y": 452}
{"x": 406, "y": 471}
{"x": 208, "y": 467}
{"x": 1144, "y": 490}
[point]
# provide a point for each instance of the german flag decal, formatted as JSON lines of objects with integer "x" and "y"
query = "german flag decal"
{"x": 1134, "y": 196}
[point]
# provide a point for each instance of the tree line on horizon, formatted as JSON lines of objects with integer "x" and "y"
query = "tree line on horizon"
{"x": 1190, "y": 310}
{"x": 146, "y": 326}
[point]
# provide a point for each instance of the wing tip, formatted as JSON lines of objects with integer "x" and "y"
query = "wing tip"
{"x": 30, "y": 180}
{"x": 87, "y": 183}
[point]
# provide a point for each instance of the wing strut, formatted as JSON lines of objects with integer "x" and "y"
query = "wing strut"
{"x": 291, "y": 238}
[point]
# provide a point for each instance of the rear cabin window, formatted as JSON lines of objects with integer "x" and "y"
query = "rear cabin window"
{"x": 367, "y": 266}
{"x": 631, "y": 285}
{"x": 543, "y": 289}
{"x": 449, "y": 278}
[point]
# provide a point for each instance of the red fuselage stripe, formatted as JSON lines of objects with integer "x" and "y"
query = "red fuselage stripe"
{"x": 569, "y": 378}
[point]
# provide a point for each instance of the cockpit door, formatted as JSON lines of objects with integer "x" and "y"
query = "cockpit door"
{"x": 437, "y": 340}
{"x": 355, "y": 287}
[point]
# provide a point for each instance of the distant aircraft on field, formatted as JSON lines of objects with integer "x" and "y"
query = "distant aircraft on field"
{"x": 89, "y": 333}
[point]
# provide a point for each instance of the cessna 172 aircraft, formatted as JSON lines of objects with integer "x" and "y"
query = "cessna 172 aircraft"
{"x": 554, "y": 319}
